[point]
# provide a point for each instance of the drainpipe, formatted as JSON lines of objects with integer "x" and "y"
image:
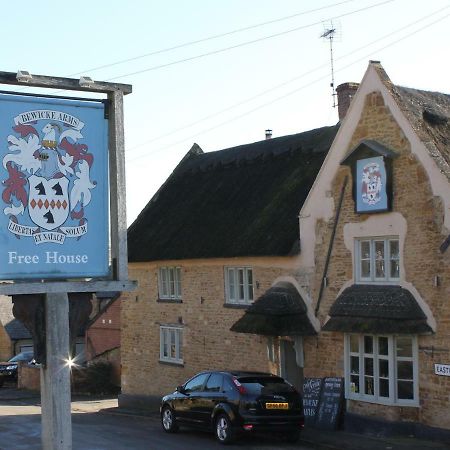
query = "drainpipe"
{"x": 330, "y": 246}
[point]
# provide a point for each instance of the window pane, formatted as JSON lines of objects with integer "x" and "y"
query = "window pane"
{"x": 384, "y": 368}
{"x": 379, "y": 260}
{"x": 368, "y": 344}
{"x": 365, "y": 259}
{"x": 241, "y": 284}
{"x": 365, "y": 268}
{"x": 384, "y": 388}
{"x": 394, "y": 259}
{"x": 405, "y": 390}
{"x": 404, "y": 346}
{"x": 383, "y": 346}
{"x": 231, "y": 285}
{"x": 173, "y": 344}
{"x": 250, "y": 284}
{"x": 178, "y": 283}
{"x": 171, "y": 282}
{"x": 354, "y": 384}
{"x": 368, "y": 385}
{"x": 354, "y": 364}
{"x": 354, "y": 343}
{"x": 163, "y": 282}
{"x": 365, "y": 249}
{"x": 368, "y": 366}
{"x": 405, "y": 370}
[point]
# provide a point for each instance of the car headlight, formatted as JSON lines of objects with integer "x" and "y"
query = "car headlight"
{"x": 11, "y": 367}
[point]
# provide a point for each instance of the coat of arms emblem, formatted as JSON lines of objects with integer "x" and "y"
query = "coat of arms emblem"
{"x": 371, "y": 183}
{"x": 48, "y": 184}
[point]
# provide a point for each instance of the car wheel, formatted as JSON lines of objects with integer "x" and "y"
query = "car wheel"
{"x": 224, "y": 429}
{"x": 168, "y": 420}
{"x": 293, "y": 436}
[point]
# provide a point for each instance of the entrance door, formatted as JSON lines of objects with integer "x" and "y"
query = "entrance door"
{"x": 290, "y": 370}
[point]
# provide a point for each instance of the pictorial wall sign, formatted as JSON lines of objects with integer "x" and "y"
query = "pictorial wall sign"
{"x": 54, "y": 188}
{"x": 371, "y": 182}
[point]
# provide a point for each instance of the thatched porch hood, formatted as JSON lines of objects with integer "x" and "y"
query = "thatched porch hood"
{"x": 280, "y": 311}
{"x": 377, "y": 309}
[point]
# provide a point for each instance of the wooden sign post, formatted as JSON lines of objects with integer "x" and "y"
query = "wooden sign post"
{"x": 56, "y": 224}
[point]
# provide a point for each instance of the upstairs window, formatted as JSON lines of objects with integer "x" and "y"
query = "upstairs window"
{"x": 377, "y": 260}
{"x": 169, "y": 283}
{"x": 239, "y": 285}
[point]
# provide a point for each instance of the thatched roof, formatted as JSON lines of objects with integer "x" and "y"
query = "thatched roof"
{"x": 241, "y": 201}
{"x": 377, "y": 309}
{"x": 280, "y": 311}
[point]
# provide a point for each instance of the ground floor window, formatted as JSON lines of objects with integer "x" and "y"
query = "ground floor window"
{"x": 171, "y": 344}
{"x": 382, "y": 369}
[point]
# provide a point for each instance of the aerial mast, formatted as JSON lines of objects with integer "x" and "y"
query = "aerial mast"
{"x": 330, "y": 33}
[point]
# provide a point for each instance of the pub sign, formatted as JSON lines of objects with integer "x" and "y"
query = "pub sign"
{"x": 54, "y": 188}
{"x": 371, "y": 182}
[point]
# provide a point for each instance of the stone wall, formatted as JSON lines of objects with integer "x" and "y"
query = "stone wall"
{"x": 29, "y": 377}
{"x": 208, "y": 342}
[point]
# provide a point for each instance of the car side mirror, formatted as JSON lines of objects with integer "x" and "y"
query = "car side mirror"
{"x": 180, "y": 389}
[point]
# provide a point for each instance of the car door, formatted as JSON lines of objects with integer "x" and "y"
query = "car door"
{"x": 187, "y": 405}
{"x": 213, "y": 394}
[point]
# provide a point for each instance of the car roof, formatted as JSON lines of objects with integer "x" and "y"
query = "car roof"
{"x": 242, "y": 373}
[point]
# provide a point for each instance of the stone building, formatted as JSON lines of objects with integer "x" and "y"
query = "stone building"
{"x": 216, "y": 236}
{"x": 363, "y": 294}
{"x": 375, "y": 231}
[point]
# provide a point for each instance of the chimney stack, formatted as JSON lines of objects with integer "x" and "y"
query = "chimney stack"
{"x": 268, "y": 134}
{"x": 345, "y": 92}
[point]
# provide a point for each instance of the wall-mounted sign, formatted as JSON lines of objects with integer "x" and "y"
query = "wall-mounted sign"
{"x": 442, "y": 369}
{"x": 371, "y": 182}
{"x": 54, "y": 174}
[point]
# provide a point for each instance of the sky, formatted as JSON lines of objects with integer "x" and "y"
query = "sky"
{"x": 219, "y": 73}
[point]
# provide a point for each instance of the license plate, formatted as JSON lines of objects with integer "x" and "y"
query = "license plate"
{"x": 280, "y": 405}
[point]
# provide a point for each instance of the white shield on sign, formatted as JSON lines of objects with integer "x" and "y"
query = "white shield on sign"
{"x": 48, "y": 201}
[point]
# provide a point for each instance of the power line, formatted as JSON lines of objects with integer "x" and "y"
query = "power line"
{"x": 260, "y": 94}
{"x": 242, "y": 44}
{"x": 289, "y": 93}
{"x": 216, "y": 36}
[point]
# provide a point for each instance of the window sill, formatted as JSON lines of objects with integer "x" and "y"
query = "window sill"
{"x": 169, "y": 300}
{"x": 386, "y": 402}
{"x": 236, "y": 305}
{"x": 171, "y": 363}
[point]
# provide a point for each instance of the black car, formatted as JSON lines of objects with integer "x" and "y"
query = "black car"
{"x": 8, "y": 370}
{"x": 230, "y": 403}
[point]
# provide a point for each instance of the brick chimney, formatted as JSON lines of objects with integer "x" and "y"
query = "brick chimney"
{"x": 345, "y": 93}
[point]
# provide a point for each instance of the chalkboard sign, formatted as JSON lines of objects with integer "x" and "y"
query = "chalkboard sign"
{"x": 330, "y": 405}
{"x": 312, "y": 388}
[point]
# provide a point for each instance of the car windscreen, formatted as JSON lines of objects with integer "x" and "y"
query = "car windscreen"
{"x": 25, "y": 356}
{"x": 265, "y": 385}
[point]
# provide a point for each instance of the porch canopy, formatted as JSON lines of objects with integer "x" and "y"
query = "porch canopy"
{"x": 377, "y": 309}
{"x": 280, "y": 311}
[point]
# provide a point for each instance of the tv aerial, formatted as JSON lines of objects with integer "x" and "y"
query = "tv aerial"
{"x": 331, "y": 32}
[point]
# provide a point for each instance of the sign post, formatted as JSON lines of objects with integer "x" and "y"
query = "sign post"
{"x": 62, "y": 220}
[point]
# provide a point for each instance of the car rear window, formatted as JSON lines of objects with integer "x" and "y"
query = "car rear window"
{"x": 25, "y": 356}
{"x": 265, "y": 385}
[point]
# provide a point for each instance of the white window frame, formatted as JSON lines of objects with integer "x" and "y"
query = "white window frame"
{"x": 169, "y": 283}
{"x": 373, "y": 279}
{"x": 393, "y": 378}
{"x": 171, "y": 335}
{"x": 236, "y": 277}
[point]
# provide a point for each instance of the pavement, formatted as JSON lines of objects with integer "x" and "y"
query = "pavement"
{"x": 310, "y": 437}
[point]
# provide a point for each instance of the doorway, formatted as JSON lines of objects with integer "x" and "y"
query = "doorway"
{"x": 292, "y": 362}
